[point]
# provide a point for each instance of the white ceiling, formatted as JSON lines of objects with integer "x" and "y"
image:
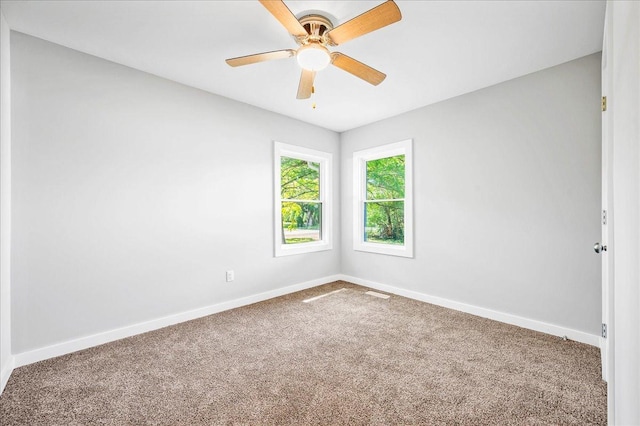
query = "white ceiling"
{"x": 440, "y": 49}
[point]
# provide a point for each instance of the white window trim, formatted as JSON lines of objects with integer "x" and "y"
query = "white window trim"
{"x": 360, "y": 159}
{"x": 326, "y": 198}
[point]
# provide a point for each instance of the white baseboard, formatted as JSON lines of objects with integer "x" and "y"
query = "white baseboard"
{"x": 5, "y": 373}
{"x": 67, "y": 347}
{"x": 63, "y": 348}
{"x": 556, "y": 330}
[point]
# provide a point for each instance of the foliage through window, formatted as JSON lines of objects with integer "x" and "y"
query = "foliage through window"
{"x": 383, "y": 203}
{"x": 301, "y": 205}
{"x": 302, "y": 200}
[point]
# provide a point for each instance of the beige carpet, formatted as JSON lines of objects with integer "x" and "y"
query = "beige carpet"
{"x": 347, "y": 358}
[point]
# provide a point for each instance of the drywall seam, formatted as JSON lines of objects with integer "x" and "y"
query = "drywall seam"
{"x": 556, "y": 330}
{"x": 35, "y": 355}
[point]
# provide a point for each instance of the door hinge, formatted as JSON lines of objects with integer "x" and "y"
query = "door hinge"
{"x": 604, "y": 103}
{"x": 604, "y": 330}
{"x": 604, "y": 217}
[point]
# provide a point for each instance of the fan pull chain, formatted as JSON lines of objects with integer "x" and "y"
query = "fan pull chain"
{"x": 313, "y": 90}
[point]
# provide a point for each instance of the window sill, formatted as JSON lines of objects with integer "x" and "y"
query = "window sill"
{"x": 289, "y": 250}
{"x": 390, "y": 250}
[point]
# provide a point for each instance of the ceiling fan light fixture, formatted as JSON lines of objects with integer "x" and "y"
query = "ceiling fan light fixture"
{"x": 313, "y": 57}
{"x": 314, "y": 32}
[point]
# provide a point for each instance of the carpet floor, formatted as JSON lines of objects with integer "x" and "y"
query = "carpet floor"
{"x": 346, "y": 358}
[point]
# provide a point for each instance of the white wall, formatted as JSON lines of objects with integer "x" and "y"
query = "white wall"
{"x": 507, "y": 198}
{"x": 6, "y": 361}
{"x": 128, "y": 206}
{"x": 132, "y": 195}
{"x": 624, "y": 105}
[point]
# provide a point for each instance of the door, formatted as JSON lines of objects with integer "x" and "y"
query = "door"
{"x": 605, "y": 246}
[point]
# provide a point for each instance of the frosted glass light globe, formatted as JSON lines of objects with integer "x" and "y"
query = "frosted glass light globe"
{"x": 313, "y": 57}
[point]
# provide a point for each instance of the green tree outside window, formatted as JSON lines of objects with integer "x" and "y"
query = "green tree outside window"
{"x": 384, "y": 203}
{"x": 300, "y": 198}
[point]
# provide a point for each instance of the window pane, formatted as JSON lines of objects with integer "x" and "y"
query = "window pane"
{"x": 301, "y": 222}
{"x": 384, "y": 222}
{"x": 299, "y": 179}
{"x": 385, "y": 178}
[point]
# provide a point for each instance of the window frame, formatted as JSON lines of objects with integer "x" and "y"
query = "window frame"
{"x": 360, "y": 159}
{"x": 325, "y": 159}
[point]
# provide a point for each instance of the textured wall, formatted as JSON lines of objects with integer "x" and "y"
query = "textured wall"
{"x": 507, "y": 197}
{"x": 134, "y": 194}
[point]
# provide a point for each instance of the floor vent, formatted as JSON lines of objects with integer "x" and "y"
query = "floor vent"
{"x": 322, "y": 295}
{"x": 376, "y": 294}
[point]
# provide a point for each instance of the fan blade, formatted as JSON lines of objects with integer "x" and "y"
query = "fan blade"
{"x": 357, "y": 68}
{"x": 288, "y": 20}
{"x": 306, "y": 84}
{"x": 260, "y": 57}
{"x": 374, "y": 19}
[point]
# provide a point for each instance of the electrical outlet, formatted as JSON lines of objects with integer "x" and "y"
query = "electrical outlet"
{"x": 230, "y": 276}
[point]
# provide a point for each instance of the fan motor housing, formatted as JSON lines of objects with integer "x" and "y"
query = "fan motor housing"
{"x": 317, "y": 26}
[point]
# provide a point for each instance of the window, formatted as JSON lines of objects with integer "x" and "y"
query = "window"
{"x": 302, "y": 200}
{"x": 383, "y": 202}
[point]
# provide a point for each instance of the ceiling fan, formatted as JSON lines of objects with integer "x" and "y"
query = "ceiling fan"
{"x": 314, "y": 33}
